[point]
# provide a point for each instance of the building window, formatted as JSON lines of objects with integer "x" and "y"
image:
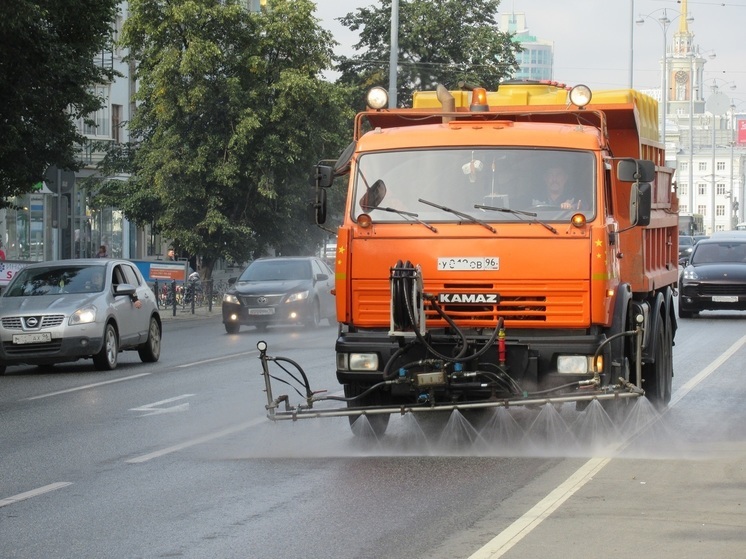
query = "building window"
{"x": 683, "y": 208}
{"x": 702, "y": 188}
{"x": 720, "y": 210}
{"x": 684, "y": 165}
{"x": 683, "y": 189}
{"x": 702, "y": 209}
{"x": 721, "y": 165}
{"x": 116, "y": 122}
{"x": 720, "y": 188}
{"x": 702, "y": 166}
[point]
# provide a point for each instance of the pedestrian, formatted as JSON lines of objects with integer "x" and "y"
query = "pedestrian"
{"x": 102, "y": 252}
{"x": 170, "y": 255}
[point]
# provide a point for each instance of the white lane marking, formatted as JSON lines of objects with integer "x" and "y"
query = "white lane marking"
{"x": 214, "y": 359}
{"x": 34, "y": 493}
{"x": 519, "y": 529}
{"x": 94, "y": 385}
{"x": 153, "y": 408}
{"x": 198, "y": 440}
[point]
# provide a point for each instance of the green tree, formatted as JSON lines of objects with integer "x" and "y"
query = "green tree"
{"x": 50, "y": 58}
{"x": 444, "y": 42}
{"x": 232, "y": 114}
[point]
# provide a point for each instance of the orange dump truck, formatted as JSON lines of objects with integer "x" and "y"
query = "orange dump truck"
{"x": 504, "y": 248}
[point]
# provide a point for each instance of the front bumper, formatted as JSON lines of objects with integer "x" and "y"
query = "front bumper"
{"x": 283, "y": 313}
{"x": 58, "y": 350}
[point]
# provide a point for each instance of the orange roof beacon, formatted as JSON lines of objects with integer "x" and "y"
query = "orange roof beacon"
{"x": 500, "y": 248}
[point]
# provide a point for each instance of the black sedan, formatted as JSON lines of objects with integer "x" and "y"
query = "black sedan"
{"x": 280, "y": 290}
{"x": 686, "y": 245}
{"x": 714, "y": 277}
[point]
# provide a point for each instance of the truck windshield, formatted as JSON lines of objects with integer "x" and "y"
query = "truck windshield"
{"x": 553, "y": 184}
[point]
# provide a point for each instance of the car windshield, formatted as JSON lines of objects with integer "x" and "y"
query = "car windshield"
{"x": 537, "y": 180}
{"x": 686, "y": 241}
{"x": 726, "y": 252}
{"x": 277, "y": 270}
{"x": 56, "y": 281}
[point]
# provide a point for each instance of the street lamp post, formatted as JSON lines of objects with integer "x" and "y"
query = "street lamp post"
{"x": 717, "y": 104}
{"x": 664, "y": 22}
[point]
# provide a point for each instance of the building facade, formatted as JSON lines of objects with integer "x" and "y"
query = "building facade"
{"x": 701, "y": 135}
{"x": 60, "y": 218}
{"x": 537, "y": 59}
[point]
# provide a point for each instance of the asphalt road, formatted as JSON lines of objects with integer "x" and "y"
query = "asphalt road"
{"x": 177, "y": 459}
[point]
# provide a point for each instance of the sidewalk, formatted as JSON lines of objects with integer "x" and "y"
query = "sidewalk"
{"x": 200, "y": 312}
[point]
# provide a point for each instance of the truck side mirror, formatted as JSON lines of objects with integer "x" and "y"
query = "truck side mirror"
{"x": 640, "y": 203}
{"x": 319, "y": 206}
{"x": 635, "y": 170}
{"x": 321, "y": 176}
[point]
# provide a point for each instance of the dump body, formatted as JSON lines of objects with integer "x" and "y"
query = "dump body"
{"x": 460, "y": 277}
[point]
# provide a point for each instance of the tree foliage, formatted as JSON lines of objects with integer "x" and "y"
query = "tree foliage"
{"x": 50, "y": 57}
{"x": 232, "y": 112}
{"x": 444, "y": 42}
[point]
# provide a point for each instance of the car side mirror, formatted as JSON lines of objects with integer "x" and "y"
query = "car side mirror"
{"x": 124, "y": 289}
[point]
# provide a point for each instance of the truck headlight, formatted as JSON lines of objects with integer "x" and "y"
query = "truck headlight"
{"x": 357, "y": 361}
{"x": 575, "y": 364}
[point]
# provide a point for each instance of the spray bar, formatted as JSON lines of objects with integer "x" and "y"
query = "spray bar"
{"x": 295, "y": 413}
{"x": 622, "y": 390}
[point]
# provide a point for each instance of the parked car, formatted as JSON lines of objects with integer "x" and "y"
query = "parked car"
{"x": 698, "y": 238}
{"x": 62, "y": 311}
{"x": 280, "y": 290}
{"x": 686, "y": 244}
{"x": 714, "y": 277}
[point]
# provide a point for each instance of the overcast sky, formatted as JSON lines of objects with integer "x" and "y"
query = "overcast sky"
{"x": 592, "y": 38}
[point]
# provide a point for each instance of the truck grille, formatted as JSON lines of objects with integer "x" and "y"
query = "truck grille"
{"x": 557, "y": 304}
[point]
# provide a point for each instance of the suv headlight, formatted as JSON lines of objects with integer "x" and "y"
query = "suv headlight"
{"x": 230, "y": 298}
{"x": 690, "y": 273}
{"x": 84, "y": 315}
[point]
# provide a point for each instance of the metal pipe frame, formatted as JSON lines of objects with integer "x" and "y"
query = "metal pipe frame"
{"x": 296, "y": 413}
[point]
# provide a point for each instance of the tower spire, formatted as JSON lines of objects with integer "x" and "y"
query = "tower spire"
{"x": 683, "y": 25}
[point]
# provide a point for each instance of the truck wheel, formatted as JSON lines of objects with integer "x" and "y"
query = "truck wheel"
{"x": 657, "y": 377}
{"x": 378, "y": 422}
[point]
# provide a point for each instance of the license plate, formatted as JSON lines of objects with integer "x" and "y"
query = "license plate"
{"x": 37, "y": 338}
{"x": 725, "y": 298}
{"x": 468, "y": 264}
{"x": 269, "y": 310}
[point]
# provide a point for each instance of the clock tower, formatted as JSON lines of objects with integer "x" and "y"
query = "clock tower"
{"x": 685, "y": 70}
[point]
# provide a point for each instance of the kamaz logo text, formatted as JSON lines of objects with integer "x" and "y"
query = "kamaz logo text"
{"x": 469, "y": 298}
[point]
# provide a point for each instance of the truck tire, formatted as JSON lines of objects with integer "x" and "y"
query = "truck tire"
{"x": 378, "y": 422}
{"x": 657, "y": 376}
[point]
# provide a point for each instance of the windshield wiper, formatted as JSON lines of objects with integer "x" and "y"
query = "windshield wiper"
{"x": 519, "y": 213}
{"x": 458, "y": 213}
{"x": 406, "y": 215}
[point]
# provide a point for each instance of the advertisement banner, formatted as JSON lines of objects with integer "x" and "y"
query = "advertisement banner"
{"x": 741, "y": 122}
